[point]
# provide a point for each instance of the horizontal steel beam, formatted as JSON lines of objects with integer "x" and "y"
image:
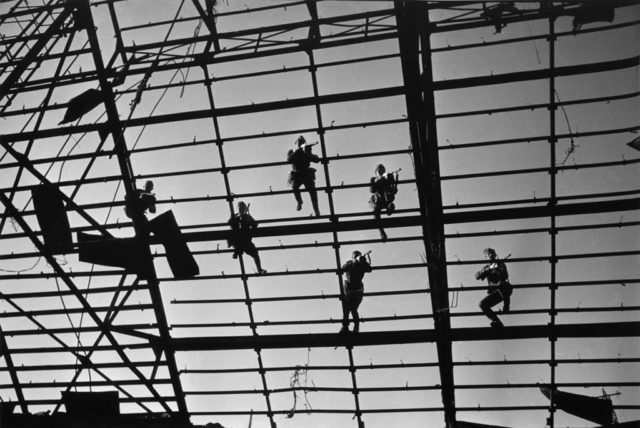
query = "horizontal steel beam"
{"x": 335, "y": 98}
{"x": 621, "y": 329}
{"x": 403, "y": 365}
{"x": 521, "y": 76}
{"x": 628, "y": 204}
{"x": 449, "y": 218}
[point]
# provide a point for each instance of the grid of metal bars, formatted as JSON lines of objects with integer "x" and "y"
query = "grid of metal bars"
{"x": 43, "y": 44}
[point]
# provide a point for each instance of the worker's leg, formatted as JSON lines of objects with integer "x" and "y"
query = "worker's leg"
{"x": 295, "y": 185}
{"x": 488, "y": 302}
{"x": 310, "y": 185}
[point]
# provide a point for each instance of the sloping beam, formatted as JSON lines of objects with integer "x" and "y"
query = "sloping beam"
{"x": 210, "y": 22}
{"x": 380, "y": 338}
{"x": 24, "y": 162}
{"x": 117, "y": 133}
{"x": 36, "y": 126}
{"x": 84, "y": 359}
{"x": 6, "y": 353}
{"x": 15, "y": 74}
{"x": 314, "y": 28}
{"x": 11, "y": 209}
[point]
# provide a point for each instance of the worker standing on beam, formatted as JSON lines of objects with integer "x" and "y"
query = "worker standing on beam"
{"x": 240, "y": 239}
{"x": 353, "y": 289}
{"x": 500, "y": 288}
{"x": 301, "y": 173}
{"x": 383, "y": 188}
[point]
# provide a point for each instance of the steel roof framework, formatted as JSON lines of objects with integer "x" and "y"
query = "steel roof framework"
{"x": 148, "y": 350}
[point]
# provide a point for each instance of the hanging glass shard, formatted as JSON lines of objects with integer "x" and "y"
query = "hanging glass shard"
{"x": 594, "y": 409}
{"x": 82, "y": 104}
{"x": 635, "y": 143}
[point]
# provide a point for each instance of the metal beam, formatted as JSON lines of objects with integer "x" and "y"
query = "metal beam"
{"x": 415, "y": 54}
{"x": 344, "y": 225}
{"x": 409, "y": 221}
{"x": 256, "y": 31}
{"x": 84, "y": 359}
{"x": 117, "y": 133}
{"x": 35, "y": 50}
{"x": 209, "y": 20}
{"x": 331, "y": 98}
{"x": 380, "y": 338}
{"x": 546, "y": 73}
{"x": 6, "y": 353}
{"x": 11, "y": 209}
{"x": 24, "y": 161}
{"x": 45, "y": 102}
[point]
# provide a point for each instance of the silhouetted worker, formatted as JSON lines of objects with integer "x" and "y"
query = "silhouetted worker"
{"x": 144, "y": 200}
{"x": 241, "y": 225}
{"x": 495, "y": 13}
{"x": 383, "y": 188}
{"x": 353, "y": 290}
{"x": 499, "y": 286}
{"x": 301, "y": 173}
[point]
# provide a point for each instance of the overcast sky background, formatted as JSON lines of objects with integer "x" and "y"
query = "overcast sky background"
{"x": 530, "y": 55}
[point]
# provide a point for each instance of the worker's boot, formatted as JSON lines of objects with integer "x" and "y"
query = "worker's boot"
{"x": 497, "y": 324}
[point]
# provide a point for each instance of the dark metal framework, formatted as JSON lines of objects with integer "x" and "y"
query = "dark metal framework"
{"x": 43, "y": 51}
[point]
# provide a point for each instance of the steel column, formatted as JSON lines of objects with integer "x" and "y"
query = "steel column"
{"x": 413, "y": 35}
{"x": 552, "y": 203}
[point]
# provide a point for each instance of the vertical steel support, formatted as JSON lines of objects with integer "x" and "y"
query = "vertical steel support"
{"x": 4, "y": 351}
{"x": 413, "y": 31}
{"x": 117, "y": 133}
{"x": 225, "y": 173}
{"x": 552, "y": 204}
{"x": 312, "y": 39}
{"x": 314, "y": 36}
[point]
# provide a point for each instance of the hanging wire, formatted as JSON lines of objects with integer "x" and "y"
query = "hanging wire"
{"x": 299, "y": 380}
{"x": 22, "y": 270}
{"x": 572, "y": 147}
{"x": 196, "y": 33}
{"x": 79, "y": 343}
{"x": 535, "y": 45}
{"x": 64, "y": 306}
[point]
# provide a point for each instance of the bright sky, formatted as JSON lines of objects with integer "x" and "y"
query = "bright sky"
{"x": 529, "y": 252}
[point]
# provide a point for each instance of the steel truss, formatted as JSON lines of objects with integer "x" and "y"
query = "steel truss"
{"x": 38, "y": 59}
